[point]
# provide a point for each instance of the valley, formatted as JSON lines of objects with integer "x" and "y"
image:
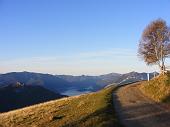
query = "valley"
{"x": 21, "y": 89}
{"x": 74, "y": 92}
{"x": 116, "y": 105}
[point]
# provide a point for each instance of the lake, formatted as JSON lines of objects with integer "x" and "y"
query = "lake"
{"x": 74, "y": 92}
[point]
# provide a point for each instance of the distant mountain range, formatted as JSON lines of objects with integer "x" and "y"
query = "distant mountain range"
{"x": 61, "y": 83}
{"x": 20, "y": 89}
{"x": 98, "y": 82}
{"x": 48, "y": 81}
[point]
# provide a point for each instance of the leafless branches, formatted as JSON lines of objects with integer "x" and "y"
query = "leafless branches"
{"x": 154, "y": 46}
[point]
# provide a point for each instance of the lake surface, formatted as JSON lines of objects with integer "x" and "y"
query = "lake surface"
{"x": 74, "y": 92}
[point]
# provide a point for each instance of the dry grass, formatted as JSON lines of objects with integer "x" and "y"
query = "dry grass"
{"x": 158, "y": 88}
{"x": 88, "y": 110}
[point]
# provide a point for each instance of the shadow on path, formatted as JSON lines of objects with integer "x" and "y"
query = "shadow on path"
{"x": 135, "y": 110}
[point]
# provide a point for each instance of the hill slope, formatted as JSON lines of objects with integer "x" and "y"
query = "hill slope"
{"x": 18, "y": 96}
{"x": 158, "y": 88}
{"x": 88, "y": 110}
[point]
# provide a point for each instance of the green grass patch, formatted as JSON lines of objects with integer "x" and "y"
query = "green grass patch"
{"x": 88, "y": 110}
{"x": 158, "y": 88}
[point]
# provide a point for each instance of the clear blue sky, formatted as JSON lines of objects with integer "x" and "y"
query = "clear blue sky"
{"x": 75, "y": 36}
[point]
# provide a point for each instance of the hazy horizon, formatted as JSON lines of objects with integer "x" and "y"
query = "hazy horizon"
{"x": 91, "y": 37}
{"x": 79, "y": 74}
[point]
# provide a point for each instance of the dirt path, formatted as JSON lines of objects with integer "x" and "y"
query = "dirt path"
{"x": 136, "y": 110}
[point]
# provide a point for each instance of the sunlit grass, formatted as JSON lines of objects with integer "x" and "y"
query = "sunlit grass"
{"x": 158, "y": 88}
{"x": 88, "y": 110}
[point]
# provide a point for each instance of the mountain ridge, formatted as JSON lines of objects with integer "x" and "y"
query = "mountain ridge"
{"x": 61, "y": 83}
{"x": 15, "y": 96}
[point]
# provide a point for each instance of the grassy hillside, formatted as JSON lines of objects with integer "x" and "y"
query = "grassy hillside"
{"x": 89, "y": 110}
{"x": 158, "y": 88}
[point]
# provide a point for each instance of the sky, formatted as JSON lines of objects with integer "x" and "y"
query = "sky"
{"x": 75, "y": 37}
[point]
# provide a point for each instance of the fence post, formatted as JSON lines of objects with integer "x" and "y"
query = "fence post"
{"x": 148, "y": 76}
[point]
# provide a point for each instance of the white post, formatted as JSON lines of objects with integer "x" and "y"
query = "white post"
{"x": 148, "y": 76}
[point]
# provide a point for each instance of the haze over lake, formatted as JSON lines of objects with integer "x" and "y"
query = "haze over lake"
{"x": 73, "y": 92}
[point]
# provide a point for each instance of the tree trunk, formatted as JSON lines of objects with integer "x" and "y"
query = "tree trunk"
{"x": 163, "y": 70}
{"x": 162, "y": 61}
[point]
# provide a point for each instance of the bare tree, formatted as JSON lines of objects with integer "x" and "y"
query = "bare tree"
{"x": 154, "y": 46}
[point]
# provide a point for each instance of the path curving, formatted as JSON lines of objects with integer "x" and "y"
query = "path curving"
{"x": 136, "y": 110}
